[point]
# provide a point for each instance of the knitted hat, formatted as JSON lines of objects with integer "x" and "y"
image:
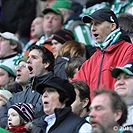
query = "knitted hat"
{"x": 128, "y": 69}
{"x": 9, "y": 36}
{"x": 5, "y": 95}
{"x": 63, "y": 35}
{"x": 9, "y": 67}
{"x": 62, "y": 4}
{"x": 23, "y": 59}
{"x": 58, "y": 84}
{"x": 101, "y": 15}
{"x": 25, "y": 110}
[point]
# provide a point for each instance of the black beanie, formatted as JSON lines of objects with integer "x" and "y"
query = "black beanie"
{"x": 63, "y": 35}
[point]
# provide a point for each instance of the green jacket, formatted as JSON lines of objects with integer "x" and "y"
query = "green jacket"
{"x": 2, "y": 130}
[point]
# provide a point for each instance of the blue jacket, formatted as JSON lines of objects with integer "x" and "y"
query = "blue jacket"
{"x": 30, "y": 95}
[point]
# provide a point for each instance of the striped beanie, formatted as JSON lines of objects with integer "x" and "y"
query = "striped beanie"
{"x": 25, "y": 110}
{"x": 63, "y": 35}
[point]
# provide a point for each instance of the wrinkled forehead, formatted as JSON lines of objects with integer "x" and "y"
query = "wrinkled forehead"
{"x": 101, "y": 100}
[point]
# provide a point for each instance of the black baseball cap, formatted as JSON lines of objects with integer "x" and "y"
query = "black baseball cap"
{"x": 101, "y": 15}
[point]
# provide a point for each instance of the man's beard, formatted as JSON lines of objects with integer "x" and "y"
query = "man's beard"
{"x": 101, "y": 129}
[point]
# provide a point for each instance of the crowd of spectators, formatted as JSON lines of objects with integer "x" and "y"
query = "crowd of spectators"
{"x": 66, "y": 63}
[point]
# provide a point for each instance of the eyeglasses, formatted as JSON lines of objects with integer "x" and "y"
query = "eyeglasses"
{"x": 21, "y": 66}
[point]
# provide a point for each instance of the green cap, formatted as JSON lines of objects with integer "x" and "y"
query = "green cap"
{"x": 55, "y": 10}
{"x": 128, "y": 69}
{"x": 62, "y": 4}
{"x": 23, "y": 59}
{"x": 9, "y": 67}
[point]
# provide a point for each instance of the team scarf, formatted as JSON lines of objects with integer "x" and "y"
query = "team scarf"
{"x": 110, "y": 39}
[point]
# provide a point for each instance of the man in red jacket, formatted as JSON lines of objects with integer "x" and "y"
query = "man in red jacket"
{"x": 113, "y": 46}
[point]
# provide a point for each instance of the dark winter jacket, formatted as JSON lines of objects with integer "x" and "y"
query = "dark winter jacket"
{"x": 66, "y": 122}
{"x": 27, "y": 96}
{"x": 59, "y": 67}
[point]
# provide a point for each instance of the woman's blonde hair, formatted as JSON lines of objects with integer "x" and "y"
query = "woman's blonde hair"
{"x": 72, "y": 49}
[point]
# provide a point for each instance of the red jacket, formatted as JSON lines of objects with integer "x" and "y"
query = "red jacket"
{"x": 116, "y": 55}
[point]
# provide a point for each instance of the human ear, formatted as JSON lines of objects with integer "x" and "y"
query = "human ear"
{"x": 11, "y": 79}
{"x": 118, "y": 115}
{"x": 46, "y": 65}
{"x": 113, "y": 26}
{"x": 85, "y": 102}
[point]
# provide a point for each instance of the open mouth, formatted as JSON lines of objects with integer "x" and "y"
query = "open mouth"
{"x": 45, "y": 103}
{"x": 95, "y": 35}
{"x": 18, "y": 75}
{"x": 10, "y": 124}
{"x": 30, "y": 69}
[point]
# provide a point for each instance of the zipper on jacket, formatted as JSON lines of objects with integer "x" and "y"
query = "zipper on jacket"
{"x": 100, "y": 71}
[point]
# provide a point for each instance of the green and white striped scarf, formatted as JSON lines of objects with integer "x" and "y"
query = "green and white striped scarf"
{"x": 110, "y": 39}
{"x": 120, "y": 7}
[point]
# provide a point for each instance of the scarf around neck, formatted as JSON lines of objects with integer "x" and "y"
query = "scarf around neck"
{"x": 110, "y": 39}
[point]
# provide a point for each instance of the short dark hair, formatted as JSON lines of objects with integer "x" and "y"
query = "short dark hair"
{"x": 116, "y": 103}
{"x": 84, "y": 91}
{"x": 47, "y": 56}
{"x": 126, "y": 22}
{"x": 72, "y": 64}
{"x": 63, "y": 98}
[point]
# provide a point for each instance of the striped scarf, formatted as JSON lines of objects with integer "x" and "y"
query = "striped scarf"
{"x": 111, "y": 38}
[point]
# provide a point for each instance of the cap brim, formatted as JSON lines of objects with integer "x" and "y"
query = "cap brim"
{"x": 8, "y": 70}
{"x": 41, "y": 87}
{"x": 88, "y": 19}
{"x": 1, "y": 35}
{"x": 47, "y": 10}
{"x": 116, "y": 71}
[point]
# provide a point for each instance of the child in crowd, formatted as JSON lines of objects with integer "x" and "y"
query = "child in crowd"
{"x": 19, "y": 115}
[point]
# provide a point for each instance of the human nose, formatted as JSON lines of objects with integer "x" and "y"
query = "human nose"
{"x": 29, "y": 60}
{"x": 45, "y": 93}
{"x": 120, "y": 80}
{"x": 9, "y": 118}
{"x": 50, "y": 20}
{"x": 53, "y": 46}
{"x": 92, "y": 113}
{"x": 93, "y": 28}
